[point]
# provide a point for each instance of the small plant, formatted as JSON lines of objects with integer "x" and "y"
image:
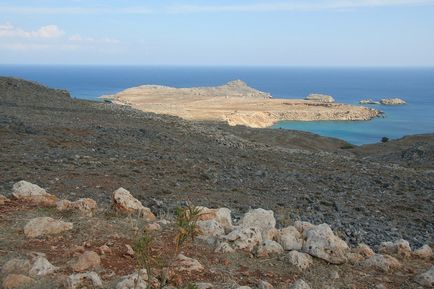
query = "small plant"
{"x": 384, "y": 139}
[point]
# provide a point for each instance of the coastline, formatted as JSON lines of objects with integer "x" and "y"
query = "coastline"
{"x": 236, "y": 104}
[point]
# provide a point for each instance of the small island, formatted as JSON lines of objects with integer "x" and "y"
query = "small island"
{"x": 237, "y": 104}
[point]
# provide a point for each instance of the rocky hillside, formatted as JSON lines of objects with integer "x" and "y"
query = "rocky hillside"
{"x": 79, "y": 149}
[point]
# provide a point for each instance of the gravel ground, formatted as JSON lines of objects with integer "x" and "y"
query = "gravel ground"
{"x": 77, "y": 148}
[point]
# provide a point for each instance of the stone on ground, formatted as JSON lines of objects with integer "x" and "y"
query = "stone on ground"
{"x": 423, "y": 252}
{"x": 426, "y": 279}
{"x": 299, "y": 284}
{"x": 41, "y": 267}
{"x": 83, "y": 280}
{"x": 259, "y": 218}
{"x": 32, "y": 193}
{"x": 320, "y": 98}
{"x": 264, "y": 285}
{"x": 268, "y": 248}
{"x": 364, "y": 250}
{"x": 302, "y": 226}
{"x": 290, "y": 238}
{"x": 186, "y": 264}
{"x": 3, "y": 200}
{"x": 244, "y": 238}
{"x": 87, "y": 260}
{"x": 134, "y": 281}
{"x": 85, "y": 206}
{"x": 13, "y": 281}
{"x": 322, "y": 243}
{"x": 210, "y": 230}
{"x": 203, "y": 285}
{"x": 383, "y": 263}
{"x": 124, "y": 202}
{"x": 16, "y": 266}
{"x": 400, "y": 247}
{"x": 300, "y": 260}
{"x": 224, "y": 247}
{"x": 45, "y": 226}
{"x": 220, "y": 215}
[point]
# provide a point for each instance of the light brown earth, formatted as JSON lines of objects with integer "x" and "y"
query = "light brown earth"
{"x": 236, "y": 104}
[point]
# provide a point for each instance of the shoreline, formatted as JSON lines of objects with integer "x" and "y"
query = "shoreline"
{"x": 236, "y": 104}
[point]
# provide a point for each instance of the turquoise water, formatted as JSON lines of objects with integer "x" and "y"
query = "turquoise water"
{"x": 347, "y": 85}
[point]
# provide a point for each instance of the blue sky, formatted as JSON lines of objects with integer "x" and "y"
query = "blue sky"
{"x": 237, "y": 32}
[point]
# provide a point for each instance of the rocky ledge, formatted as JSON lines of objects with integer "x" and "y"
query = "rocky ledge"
{"x": 237, "y": 104}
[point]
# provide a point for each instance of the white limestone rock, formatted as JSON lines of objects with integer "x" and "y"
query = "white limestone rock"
{"x": 299, "y": 284}
{"x": 259, "y": 218}
{"x": 210, "y": 230}
{"x": 186, "y": 264}
{"x": 32, "y": 193}
{"x": 83, "y": 280}
{"x": 268, "y": 248}
{"x": 320, "y": 98}
{"x": 85, "y": 206}
{"x": 392, "y": 101}
{"x": 45, "y": 226}
{"x": 41, "y": 267}
{"x": 321, "y": 242}
{"x": 124, "y": 202}
{"x": 16, "y": 266}
{"x": 290, "y": 238}
{"x": 424, "y": 252}
{"x": 426, "y": 279}
{"x": 400, "y": 247}
{"x": 130, "y": 281}
{"x": 244, "y": 238}
{"x": 221, "y": 215}
{"x": 300, "y": 260}
{"x": 384, "y": 263}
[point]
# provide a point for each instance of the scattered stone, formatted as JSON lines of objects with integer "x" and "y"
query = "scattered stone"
{"x": 300, "y": 284}
{"x": 124, "y": 202}
{"x": 290, "y": 238}
{"x": 151, "y": 227}
{"x": 267, "y": 248}
{"x": 224, "y": 247}
{"x": 334, "y": 275}
{"x": 264, "y": 285}
{"x": 104, "y": 249}
{"x": 300, "y": 260}
{"x": 186, "y": 264}
{"x": 426, "y": 279}
{"x": 322, "y": 243}
{"x": 423, "y": 252}
{"x": 41, "y": 267}
{"x": 392, "y": 101}
{"x": 203, "y": 285}
{"x": 83, "y": 280}
{"x": 259, "y": 218}
{"x": 384, "y": 263}
{"x": 134, "y": 281}
{"x": 244, "y": 238}
{"x": 13, "y": 281}
{"x": 400, "y": 247}
{"x": 87, "y": 260}
{"x": 16, "y": 266}
{"x": 85, "y": 206}
{"x": 130, "y": 251}
{"x": 221, "y": 216}
{"x": 210, "y": 230}
{"x": 33, "y": 193}
{"x": 320, "y": 98}
{"x": 364, "y": 250}
{"x": 3, "y": 200}
{"x": 45, "y": 226}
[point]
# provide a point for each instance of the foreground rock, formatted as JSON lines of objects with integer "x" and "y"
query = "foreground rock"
{"x": 15, "y": 281}
{"x": 220, "y": 215}
{"x": 85, "y": 206}
{"x": 83, "y": 280}
{"x": 87, "y": 260}
{"x": 32, "y": 193}
{"x": 45, "y": 226}
{"x": 124, "y": 202}
{"x": 290, "y": 238}
{"x": 322, "y": 243}
{"x": 259, "y": 218}
{"x": 300, "y": 284}
{"x": 426, "y": 279}
{"x": 392, "y": 101}
{"x": 320, "y": 98}
{"x": 41, "y": 267}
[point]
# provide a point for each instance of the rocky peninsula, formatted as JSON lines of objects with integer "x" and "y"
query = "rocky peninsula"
{"x": 237, "y": 104}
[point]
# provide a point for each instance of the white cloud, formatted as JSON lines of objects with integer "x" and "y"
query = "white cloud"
{"x": 80, "y": 39}
{"x": 49, "y": 31}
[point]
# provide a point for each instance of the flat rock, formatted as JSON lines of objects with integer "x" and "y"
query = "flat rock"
{"x": 124, "y": 202}
{"x": 85, "y": 206}
{"x": 426, "y": 279}
{"x": 320, "y": 98}
{"x": 204, "y": 285}
{"x": 13, "y": 281}
{"x": 322, "y": 243}
{"x": 16, "y": 266}
{"x": 186, "y": 264}
{"x": 83, "y": 280}
{"x": 380, "y": 262}
{"x": 87, "y": 260}
{"x": 290, "y": 238}
{"x": 45, "y": 226}
{"x": 392, "y": 101}
{"x": 300, "y": 260}
{"x": 224, "y": 247}
{"x": 32, "y": 193}
{"x": 262, "y": 219}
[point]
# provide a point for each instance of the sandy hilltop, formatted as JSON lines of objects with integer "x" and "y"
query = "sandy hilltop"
{"x": 235, "y": 103}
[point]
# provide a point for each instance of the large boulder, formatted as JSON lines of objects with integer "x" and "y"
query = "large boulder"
{"x": 290, "y": 238}
{"x": 14, "y": 281}
{"x": 244, "y": 238}
{"x": 300, "y": 260}
{"x": 85, "y": 206}
{"x": 220, "y": 215}
{"x": 384, "y": 263}
{"x": 32, "y": 193}
{"x": 134, "y": 281}
{"x": 124, "y": 202}
{"x": 426, "y": 279}
{"x": 45, "y": 226}
{"x": 262, "y": 219}
{"x": 87, "y": 260}
{"x": 320, "y": 98}
{"x": 83, "y": 280}
{"x": 322, "y": 243}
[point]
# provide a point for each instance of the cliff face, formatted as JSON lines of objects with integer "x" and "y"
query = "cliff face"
{"x": 236, "y": 104}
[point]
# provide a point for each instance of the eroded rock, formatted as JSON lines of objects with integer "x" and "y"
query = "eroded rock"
{"x": 262, "y": 219}
{"x": 41, "y": 267}
{"x": 380, "y": 262}
{"x": 290, "y": 238}
{"x": 138, "y": 280}
{"x": 124, "y": 202}
{"x": 85, "y": 206}
{"x": 3, "y": 200}
{"x": 221, "y": 215}
{"x": 83, "y": 280}
{"x": 320, "y": 98}
{"x": 16, "y": 266}
{"x": 45, "y": 226}
{"x": 32, "y": 193}
{"x": 300, "y": 260}
{"x": 13, "y": 281}
{"x": 186, "y": 264}
{"x": 392, "y": 101}
{"x": 244, "y": 238}
{"x": 300, "y": 284}
{"x": 426, "y": 279}
{"x": 211, "y": 230}
{"x": 400, "y": 247}
{"x": 87, "y": 260}
{"x": 268, "y": 248}
{"x": 423, "y": 252}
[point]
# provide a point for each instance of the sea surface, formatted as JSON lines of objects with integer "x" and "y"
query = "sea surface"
{"x": 346, "y": 85}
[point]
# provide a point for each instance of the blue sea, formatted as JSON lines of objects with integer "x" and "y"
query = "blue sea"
{"x": 346, "y": 85}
